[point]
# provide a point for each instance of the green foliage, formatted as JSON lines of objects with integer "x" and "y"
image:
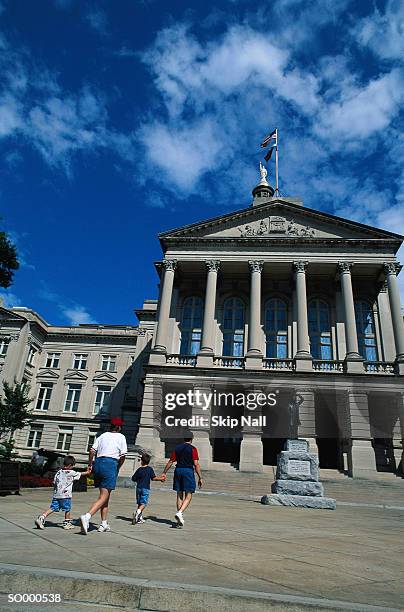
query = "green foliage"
{"x": 14, "y": 412}
{"x": 8, "y": 261}
{"x": 7, "y": 451}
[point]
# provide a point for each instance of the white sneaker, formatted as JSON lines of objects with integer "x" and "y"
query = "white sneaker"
{"x": 68, "y": 525}
{"x": 103, "y": 528}
{"x": 85, "y": 523}
{"x": 179, "y": 518}
{"x": 40, "y": 522}
{"x": 140, "y": 519}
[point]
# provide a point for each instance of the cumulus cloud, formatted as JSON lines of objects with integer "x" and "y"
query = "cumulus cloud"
{"x": 9, "y": 299}
{"x": 77, "y": 315}
{"x": 383, "y": 33}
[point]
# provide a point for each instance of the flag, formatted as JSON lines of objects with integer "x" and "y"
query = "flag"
{"x": 272, "y": 136}
{"x": 268, "y": 155}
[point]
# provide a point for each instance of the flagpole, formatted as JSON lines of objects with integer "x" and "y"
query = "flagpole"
{"x": 276, "y": 166}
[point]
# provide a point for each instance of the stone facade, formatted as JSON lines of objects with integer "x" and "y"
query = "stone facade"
{"x": 274, "y": 294}
{"x": 280, "y": 295}
{"x": 78, "y": 376}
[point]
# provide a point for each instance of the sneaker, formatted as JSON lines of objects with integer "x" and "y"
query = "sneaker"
{"x": 40, "y": 522}
{"x": 140, "y": 519}
{"x": 179, "y": 518}
{"x": 68, "y": 525}
{"x": 104, "y": 528}
{"x": 135, "y": 517}
{"x": 85, "y": 523}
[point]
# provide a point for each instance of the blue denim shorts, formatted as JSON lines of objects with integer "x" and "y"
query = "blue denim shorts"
{"x": 142, "y": 496}
{"x": 105, "y": 470}
{"x": 184, "y": 480}
{"x": 64, "y": 504}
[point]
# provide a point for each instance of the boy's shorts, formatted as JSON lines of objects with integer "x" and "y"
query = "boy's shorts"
{"x": 64, "y": 504}
{"x": 184, "y": 480}
{"x": 142, "y": 496}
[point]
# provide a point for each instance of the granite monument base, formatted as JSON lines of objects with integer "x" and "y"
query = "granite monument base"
{"x": 297, "y": 480}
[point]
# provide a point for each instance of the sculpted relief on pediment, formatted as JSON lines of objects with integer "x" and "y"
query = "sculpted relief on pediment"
{"x": 273, "y": 226}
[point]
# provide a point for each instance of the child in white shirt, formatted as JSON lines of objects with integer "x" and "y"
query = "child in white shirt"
{"x": 62, "y": 493}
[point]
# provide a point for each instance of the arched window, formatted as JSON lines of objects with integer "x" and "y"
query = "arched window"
{"x": 365, "y": 328}
{"x": 320, "y": 329}
{"x": 191, "y": 325}
{"x": 233, "y": 327}
{"x": 276, "y": 328}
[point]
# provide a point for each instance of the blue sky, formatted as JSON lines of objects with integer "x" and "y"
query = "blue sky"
{"x": 122, "y": 119}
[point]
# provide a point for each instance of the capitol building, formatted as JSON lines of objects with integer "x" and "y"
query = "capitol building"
{"x": 273, "y": 297}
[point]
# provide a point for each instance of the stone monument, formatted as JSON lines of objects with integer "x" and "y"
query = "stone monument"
{"x": 297, "y": 479}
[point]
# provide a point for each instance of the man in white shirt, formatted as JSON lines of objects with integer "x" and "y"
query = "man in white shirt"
{"x": 110, "y": 449}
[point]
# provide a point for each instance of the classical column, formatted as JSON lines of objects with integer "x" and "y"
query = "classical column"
{"x": 165, "y": 304}
{"x": 149, "y": 438}
{"x": 391, "y": 270}
{"x": 210, "y": 305}
{"x": 251, "y": 447}
{"x": 361, "y": 459}
{"x": 254, "y": 349}
{"x": 351, "y": 338}
{"x": 303, "y": 343}
{"x": 254, "y": 323}
{"x": 201, "y": 412}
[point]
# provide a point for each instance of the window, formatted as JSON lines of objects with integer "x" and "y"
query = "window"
{"x": 320, "y": 329}
{"x": 31, "y": 355}
{"x": 233, "y": 327}
{"x": 276, "y": 329}
{"x": 90, "y": 440}
{"x": 365, "y": 327}
{"x": 191, "y": 326}
{"x": 72, "y": 398}
{"x": 35, "y": 436}
{"x": 108, "y": 363}
{"x": 64, "y": 439}
{"x": 44, "y": 396}
{"x": 80, "y": 361}
{"x": 4, "y": 342}
{"x": 52, "y": 360}
{"x": 102, "y": 399}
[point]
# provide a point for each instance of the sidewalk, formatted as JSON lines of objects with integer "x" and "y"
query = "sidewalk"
{"x": 354, "y": 554}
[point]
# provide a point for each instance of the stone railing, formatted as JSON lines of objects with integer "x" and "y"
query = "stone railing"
{"x": 181, "y": 360}
{"x": 278, "y": 364}
{"x": 324, "y": 365}
{"x": 229, "y": 362}
{"x": 379, "y": 367}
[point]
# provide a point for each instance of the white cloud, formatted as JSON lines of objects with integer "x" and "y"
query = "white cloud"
{"x": 97, "y": 20}
{"x": 383, "y": 33}
{"x": 77, "y": 315}
{"x": 363, "y": 111}
{"x": 9, "y": 299}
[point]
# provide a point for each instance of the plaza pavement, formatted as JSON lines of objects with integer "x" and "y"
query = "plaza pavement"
{"x": 285, "y": 558}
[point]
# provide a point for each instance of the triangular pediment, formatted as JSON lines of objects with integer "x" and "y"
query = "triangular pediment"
{"x": 9, "y": 315}
{"x": 75, "y": 375}
{"x": 104, "y": 377}
{"x": 48, "y": 374}
{"x": 279, "y": 219}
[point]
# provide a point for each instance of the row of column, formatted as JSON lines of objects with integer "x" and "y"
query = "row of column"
{"x": 254, "y": 324}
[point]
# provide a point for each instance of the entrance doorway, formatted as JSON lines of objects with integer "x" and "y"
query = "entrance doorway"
{"x": 327, "y": 431}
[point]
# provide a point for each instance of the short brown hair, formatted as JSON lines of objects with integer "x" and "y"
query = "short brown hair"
{"x": 145, "y": 458}
{"x": 69, "y": 460}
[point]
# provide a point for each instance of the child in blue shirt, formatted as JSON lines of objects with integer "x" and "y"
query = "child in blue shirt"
{"x": 142, "y": 477}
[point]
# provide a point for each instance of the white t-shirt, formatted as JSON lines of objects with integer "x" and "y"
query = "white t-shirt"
{"x": 110, "y": 444}
{"x": 63, "y": 483}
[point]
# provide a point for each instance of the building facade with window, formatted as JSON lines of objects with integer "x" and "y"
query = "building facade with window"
{"x": 78, "y": 377}
{"x": 282, "y": 296}
{"x": 272, "y": 296}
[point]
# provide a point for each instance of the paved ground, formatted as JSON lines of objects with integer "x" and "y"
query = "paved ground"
{"x": 353, "y": 554}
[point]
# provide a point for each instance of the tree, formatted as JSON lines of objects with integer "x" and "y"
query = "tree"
{"x": 8, "y": 261}
{"x": 14, "y": 414}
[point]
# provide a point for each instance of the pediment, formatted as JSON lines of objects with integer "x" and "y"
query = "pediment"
{"x": 104, "y": 377}
{"x": 279, "y": 219}
{"x": 48, "y": 374}
{"x": 9, "y": 315}
{"x": 75, "y": 375}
